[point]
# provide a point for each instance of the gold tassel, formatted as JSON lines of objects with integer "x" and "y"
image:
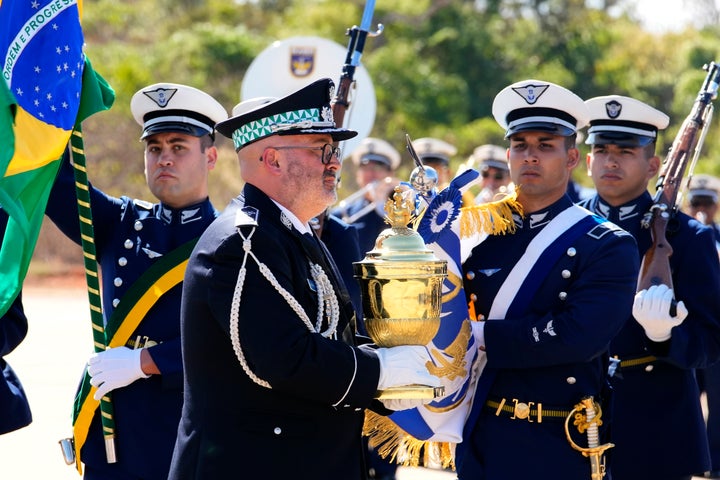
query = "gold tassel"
{"x": 492, "y": 218}
{"x": 393, "y": 443}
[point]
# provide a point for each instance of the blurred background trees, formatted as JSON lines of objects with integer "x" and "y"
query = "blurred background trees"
{"x": 435, "y": 69}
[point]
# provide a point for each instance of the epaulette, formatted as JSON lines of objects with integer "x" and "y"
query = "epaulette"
{"x": 604, "y": 228}
{"x": 246, "y": 216}
{"x": 143, "y": 204}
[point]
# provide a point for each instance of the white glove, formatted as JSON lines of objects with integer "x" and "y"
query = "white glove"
{"x": 114, "y": 368}
{"x": 478, "y": 331}
{"x": 651, "y": 309}
{"x": 396, "y": 404}
{"x": 405, "y": 365}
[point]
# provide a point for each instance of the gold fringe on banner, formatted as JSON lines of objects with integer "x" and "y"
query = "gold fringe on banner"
{"x": 388, "y": 439}
{"x": 396, "y": 445}
{"x": 492, "y": 218}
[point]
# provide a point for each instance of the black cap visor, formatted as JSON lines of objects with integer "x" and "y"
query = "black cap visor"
{"x": 548, "y": 127}
{"x": 177, "y": 127}
{"x": 621, "y": 139}
{"x": 337, "y": 134}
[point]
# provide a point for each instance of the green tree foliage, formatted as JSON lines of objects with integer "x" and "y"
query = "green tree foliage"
{"x": 435, "y": 69}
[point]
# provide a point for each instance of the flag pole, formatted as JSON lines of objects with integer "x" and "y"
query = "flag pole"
{"x": 87, "y": 234}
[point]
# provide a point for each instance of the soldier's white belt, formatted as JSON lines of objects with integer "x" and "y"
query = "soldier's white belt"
{"x": 533, "y": 412}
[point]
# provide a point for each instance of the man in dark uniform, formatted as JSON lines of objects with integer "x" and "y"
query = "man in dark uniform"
{"x": 548, "y": 298}
{"x": 657, "y": 422}
{"x": 375, "y": 161}
{"x": 274, "y": 386}
{"x": 14, "y": 406}
{"x": 139, "y": 245}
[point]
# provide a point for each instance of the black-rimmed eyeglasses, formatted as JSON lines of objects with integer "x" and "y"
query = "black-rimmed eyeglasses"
{"x": 328, "y": 151}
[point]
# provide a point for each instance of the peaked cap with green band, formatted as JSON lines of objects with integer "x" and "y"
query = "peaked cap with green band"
{"x": 304, "y": 112}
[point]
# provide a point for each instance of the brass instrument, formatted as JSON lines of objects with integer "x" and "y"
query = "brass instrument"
{"x": 589, "y": 422}
{"x": 378, "y": 191}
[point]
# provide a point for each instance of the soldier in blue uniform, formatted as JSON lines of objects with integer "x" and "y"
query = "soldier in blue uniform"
{"x": 436, "y": 153}
{"x": 376, "y": 161}
{"x": 548, "y": 298}
{"x": 14, "y": 406}
{"x": 658, "y": 426}
{"x": 139, "y": 244}
{"x": 702, "y": 205}
{"x": 274, "y": 384}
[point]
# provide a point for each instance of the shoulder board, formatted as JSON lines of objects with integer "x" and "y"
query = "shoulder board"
{"x": 143, "y": 204}
{"x": 246, "y": 216}
{"x": 604, "y": 228}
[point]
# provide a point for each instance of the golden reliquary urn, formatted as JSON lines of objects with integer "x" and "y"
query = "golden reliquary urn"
{"x": 401, "y": 288}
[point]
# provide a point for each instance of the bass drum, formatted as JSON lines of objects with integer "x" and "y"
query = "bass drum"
{"x": 290, "y": 64}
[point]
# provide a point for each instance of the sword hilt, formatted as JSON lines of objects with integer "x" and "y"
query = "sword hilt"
{"x": 589, "y": 421}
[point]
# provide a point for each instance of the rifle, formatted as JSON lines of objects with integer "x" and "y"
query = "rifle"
{"x": 356, "y": 44}
{"x": 655, "y": 268}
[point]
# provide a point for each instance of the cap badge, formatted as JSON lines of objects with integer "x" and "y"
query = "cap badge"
{"x": 302, "y": 61}
{"x": 613, "y": 109}
{"x": 161, "y": 96}
{"x": 327, "y": 114}
{"x": 531, "y": 93}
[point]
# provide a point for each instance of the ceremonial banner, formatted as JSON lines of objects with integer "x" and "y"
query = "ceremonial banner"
{"x": 435, "y": 428}
{"x": 47, "y": 73}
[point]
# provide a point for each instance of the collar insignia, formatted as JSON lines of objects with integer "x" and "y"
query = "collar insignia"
{"x": 518, "y": 220}
{"x": 286, "y": 221}
{"x": 187, "y": 216}
{"x": 627, "y": 212}
{"x": 165, "y": 214}
{"x": 539, "y": 219}
{"x": 603, "y": 209}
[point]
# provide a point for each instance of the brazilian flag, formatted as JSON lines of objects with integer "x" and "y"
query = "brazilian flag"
{"x": 49, "y": 87}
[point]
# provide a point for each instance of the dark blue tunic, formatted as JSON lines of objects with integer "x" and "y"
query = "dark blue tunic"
{"x": 658, "y": 427}
{"x": 130, "y": 236}
{"x": 551, "y": 351}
